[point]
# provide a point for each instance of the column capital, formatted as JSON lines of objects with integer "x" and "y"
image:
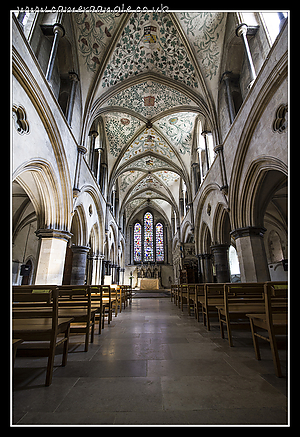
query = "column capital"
{"x": 218, "y": 148}
{"x": 93, "y": 133}
{"x": 253, "y": 231}
{"x": 226, "y": 76}
{"x": 73, "y": 76}
{"x": 81, "y": 149}
{"x": 79, "y": 249}
{"x": 59, "y": 29}
{"x": 241, "y": 29}
{"x": 53, "y": 233}
{"x": 221, "y": 247}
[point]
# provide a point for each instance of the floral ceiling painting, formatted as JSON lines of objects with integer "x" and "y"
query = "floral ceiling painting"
{"x": 205, "y": 30}
{"x": 150, "y": 42}
{"x": 149, "y": 94}
{"x": 94, "y": 32}
{"x": 164, "y": 96}
{"x": 178, "y": 127}
{"x": 119, "y": 128}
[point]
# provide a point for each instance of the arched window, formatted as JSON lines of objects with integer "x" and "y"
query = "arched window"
{"x": 137, "y": 245}
{"x": 159, "y": 234}
{"x": 148, "y": 240}
{"x": 148, "y": 237}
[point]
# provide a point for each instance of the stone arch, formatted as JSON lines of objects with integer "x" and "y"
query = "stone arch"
{"x": 29, "y": 84}
{"x": 221, "y": 225}
{"x": 205, "y": 240}
{"x": 264, "y": 176}
{"x": 38, "y": 179}
{"x": 79, "y": 227}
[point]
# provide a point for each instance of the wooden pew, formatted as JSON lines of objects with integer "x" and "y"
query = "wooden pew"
{"x": 36, "y": 318}
{"x": 75, "y": 301}
{"x": 274, "y": 320}
{"x": 106, "y": 304}
{"x": 183, "y": 295}
{"x": 238, "y": 299}
{"x": 173, "y": 290}
{"x": 96, "y": 298}
{"x": 175, "y": 293}
{"x": 213, "y": 295}
{"x": 199, "y": 294}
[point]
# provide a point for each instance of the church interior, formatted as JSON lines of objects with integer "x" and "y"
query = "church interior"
{"x": 150, "y": 149}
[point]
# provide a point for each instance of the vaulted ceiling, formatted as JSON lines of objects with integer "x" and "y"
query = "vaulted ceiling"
{"x": 149, "y": 77}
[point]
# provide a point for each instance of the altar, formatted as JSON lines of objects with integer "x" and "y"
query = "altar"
{"x": 149, "y": 284}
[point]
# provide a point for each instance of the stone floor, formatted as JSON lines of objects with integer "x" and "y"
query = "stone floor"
{"x": 154, "y": 365}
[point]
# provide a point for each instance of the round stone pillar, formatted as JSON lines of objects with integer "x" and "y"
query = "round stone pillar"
{"x": 79, "y": 264}
{"x": 221, "y": 262}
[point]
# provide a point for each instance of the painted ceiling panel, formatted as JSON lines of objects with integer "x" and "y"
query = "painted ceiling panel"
{"x": 150, "y": 42}
{"x": 148, "y": 141}
{"x": 205, "y": 32}
{"x": 178, "y": 128}
{"x": 149, "y": 163}
{"x": 119, "y": 128}
{"x": 149, "y": 98}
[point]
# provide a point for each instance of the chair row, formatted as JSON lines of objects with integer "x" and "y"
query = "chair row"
{"x": 263, "y": 307}
{"x": 49, "y": 312}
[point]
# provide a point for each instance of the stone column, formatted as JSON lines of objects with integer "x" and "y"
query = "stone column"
{"x": 93, "y": 135}
{"x": 59, "y": 32}
{"x": 81, "y": 151}
{"x": 221, "y": 262}
{"x": 74, "y": 79}
{"x": 231, "y": 109}
{"x": 218, "y": 149}
{"x": 51, "y": 258}
{"x": 251, "y": 253}
{"x": 241, "y": 31}
{"x": 79, "y": 264}
{"x": 207, "y": 272}
{"x": 204, "y": 134}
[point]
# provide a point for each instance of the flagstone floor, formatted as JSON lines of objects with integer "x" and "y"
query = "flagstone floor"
{"x": 153, "y": 365}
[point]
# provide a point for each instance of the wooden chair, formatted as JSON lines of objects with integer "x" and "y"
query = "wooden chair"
{"x": 75, "y": 301}
{"x": 36, "y": 318}
{"x": 273, "y": 320}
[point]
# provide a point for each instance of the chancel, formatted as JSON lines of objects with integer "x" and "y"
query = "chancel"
{"x": 149, "y": 189}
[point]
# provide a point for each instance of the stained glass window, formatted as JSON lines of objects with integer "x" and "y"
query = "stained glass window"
{"x": 137, "y": 245}
{"x": 159, "y": 233}
{"x": 148, "y": 237}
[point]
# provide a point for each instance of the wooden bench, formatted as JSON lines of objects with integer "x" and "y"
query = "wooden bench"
{"x": 36, "y": 318}
{"x": 238, "y": 299}
{"x": 175, "y": 293}
{"x": 199, "y": 294}
{"x": 75, "y": 301}
{"x": 274, "y": 320}
{"x": 97, "y": 303}
{"x": 213, "y": 295}
{"x": 106, "y": 304}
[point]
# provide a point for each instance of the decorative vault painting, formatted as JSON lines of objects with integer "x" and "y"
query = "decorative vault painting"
{"x": 205, "y": 30}
{"x": 148, "y": 141}
{"x": 150, "y": 42}
{"x": 136, "y": 96}
{"x": 119, "y": 128}
{"x": 178, "y": 128}
{"x": 94, "y": 31}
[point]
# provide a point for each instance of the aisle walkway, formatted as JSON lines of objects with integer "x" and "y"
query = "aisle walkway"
{"x": 153, "y": 365}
